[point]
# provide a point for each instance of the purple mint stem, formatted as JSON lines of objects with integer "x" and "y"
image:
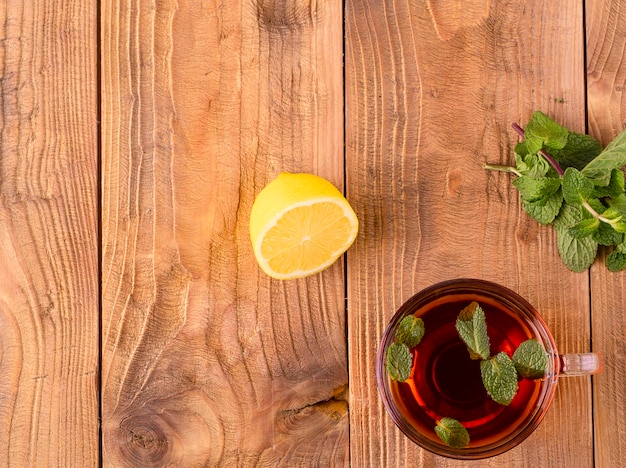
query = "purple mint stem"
{"x": 543, "y": 152}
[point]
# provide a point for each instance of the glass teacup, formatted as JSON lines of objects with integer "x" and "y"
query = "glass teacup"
{"x": 445, "y": 382}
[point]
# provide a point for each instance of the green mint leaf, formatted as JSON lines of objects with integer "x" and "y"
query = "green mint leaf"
{"x": 472, "y": 328}
{"x": 577, "y": 254}
{"x": 452, "y": 433}
{"x": 543, "y": 132}
{"x": 410, "y": 331}
{"x": 546, "y": 209}
{"x": 531, "y": 164}
{"x": 615, "y": 187}
{"x": 616, "y": 260}
{"x": 530, "y": 359}
{"x": 499, "y": 378}
{"x": 606, "y": 235}
{"x": 619, "y": 202}
{"x": 613, "y": 157}
{"x": 399, "y": 361}
{"x": 616, "y": 219}
{"x": 597, "y": 205}
{"x": 578, "y": 152}
{"x": 532, "y": 189}
{"x": 612, "y": 213}
{"x": 576, "y": 187}
{"x": 585, "y": 228}
{"x": 620, "y": 227}
{"x": 521, "y": 152}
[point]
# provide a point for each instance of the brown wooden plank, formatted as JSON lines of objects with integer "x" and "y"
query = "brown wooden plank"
{"x": 606, "y": 82}
{"x": 432, "y": 89}
{"x": 206, "y": 362}
{"x": 48, "y": 234}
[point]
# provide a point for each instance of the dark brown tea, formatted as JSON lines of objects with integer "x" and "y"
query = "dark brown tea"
{"x": 446, "y": 382}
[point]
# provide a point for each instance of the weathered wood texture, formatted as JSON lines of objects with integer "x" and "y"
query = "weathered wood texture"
{"x": 431, "y": 90}
{"x": 48, "y": 234}
{"x": 206, "y": 362}
{"x": 606, "y": 83}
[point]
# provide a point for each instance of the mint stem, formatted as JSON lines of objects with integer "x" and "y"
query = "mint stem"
{"x": 498, "y": 167}
{"x": 597, "y": 215}
{"x": 543, "y": 152}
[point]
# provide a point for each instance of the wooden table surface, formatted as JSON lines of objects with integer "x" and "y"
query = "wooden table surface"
{"x": 136, "y": 328}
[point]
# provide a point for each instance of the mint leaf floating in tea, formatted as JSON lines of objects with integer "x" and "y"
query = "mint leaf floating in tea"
{"x": 452, "y": 433}
{"x": 472, "y": 328}
{"x": 530, "y": 359}
{"x": 399, "y": 357}
{"x": 410, "y": 331}
{"x": 569, "y": 180}
{"x": 499, "y": 378}
{"x": 399, "y": 361}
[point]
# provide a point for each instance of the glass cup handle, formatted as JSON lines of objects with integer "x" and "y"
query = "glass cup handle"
{"x": 580, "y": 364}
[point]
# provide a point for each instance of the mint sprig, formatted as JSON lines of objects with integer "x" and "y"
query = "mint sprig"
{"x": 568, "y": 180}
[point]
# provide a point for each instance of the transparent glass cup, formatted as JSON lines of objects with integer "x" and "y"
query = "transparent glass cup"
{"x": 432, "y": 390}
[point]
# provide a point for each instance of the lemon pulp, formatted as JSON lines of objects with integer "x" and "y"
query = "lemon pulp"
{"x": 299, "y": 225}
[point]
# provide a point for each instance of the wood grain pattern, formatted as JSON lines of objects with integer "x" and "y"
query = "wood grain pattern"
{"x": 206, "y": 362}
{"x": 606, "y": 81}
{"x": 48, "y": 234}
{"x": 425, "y": 111}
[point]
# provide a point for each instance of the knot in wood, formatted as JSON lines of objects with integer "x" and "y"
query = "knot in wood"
{"x": 144, "y": 440}
{"x": 288, "y": 15}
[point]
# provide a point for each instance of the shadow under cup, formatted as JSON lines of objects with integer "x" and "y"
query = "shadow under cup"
{"x": 445, "y": 382}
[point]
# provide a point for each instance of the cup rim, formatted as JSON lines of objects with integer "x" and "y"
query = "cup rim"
{"x": 527, "y": 426}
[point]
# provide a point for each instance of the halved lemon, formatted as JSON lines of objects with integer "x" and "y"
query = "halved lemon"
{"x": 300, "y": 224}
